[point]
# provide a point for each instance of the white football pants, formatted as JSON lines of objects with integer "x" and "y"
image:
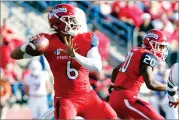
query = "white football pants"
{"x": 38, "y": 106}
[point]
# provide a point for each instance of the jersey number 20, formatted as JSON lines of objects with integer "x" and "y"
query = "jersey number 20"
{"x": 126, "y": 63}
{"x": 70, "y": 70}
{"x": 149, "y": 60}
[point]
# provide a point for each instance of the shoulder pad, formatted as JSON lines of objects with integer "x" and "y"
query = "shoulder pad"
{"x": 148, "y": 59}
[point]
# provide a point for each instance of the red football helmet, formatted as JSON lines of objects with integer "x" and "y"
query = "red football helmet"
{"x": 63, "y": 18}
{"x": 156, "y": 42}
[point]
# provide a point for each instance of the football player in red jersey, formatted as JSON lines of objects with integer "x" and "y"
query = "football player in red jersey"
{"x": 135, "y": 70}
{"x": 71, "y": 56}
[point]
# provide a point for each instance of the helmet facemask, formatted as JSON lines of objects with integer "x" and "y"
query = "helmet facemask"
{"x": 68, "y": 25}
{"x": 71, "y": 25}
{"x": 159, "y": 49}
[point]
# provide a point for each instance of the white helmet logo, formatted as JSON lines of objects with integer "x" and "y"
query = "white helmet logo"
{"x": 55, "y": 11}
{"x": 150, "y": 34}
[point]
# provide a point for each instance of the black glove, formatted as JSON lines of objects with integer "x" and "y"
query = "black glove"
{"x": 111, "y": 88}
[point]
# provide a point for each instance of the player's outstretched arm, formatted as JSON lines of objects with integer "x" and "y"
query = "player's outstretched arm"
{"x": 93, "y": 59}
{"x": 148, "y": 75}
{"x": 147, "y": 64}
{"x": 19, "y": 53}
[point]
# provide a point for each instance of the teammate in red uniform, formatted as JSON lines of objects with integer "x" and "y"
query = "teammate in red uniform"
{"x": 135, "y": 70}
{"x": 70, "y": 56}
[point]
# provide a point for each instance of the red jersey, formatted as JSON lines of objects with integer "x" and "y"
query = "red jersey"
{"x": 70, "y": 78}
{"x": 129, "y": 75}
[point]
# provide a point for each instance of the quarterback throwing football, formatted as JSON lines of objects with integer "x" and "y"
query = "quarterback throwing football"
{"x": 70, "y": 56}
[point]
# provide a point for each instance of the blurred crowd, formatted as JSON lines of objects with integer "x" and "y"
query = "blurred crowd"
{"x": 145, "y": 15}
{"x": 142, "y": 15}
{"x": 9, "y": 76}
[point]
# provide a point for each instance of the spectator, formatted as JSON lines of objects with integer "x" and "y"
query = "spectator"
{"x": 5, "y": 53}
{"x": 164, "y": 24}
{"x": 173, "y": 40}
{"x": 9, "y": 42}
{"x": 105, "y": 7}
{"x": 168, "y": 26}
{"x": 12, "y": 77}
{"x": 140, "y": 5}
{"x": 5, "y": 92}
{"x": 117, "y": 6}
{"x": 144, "y": 27}
{"x": 130, "y": 14}
{"x": 10, "y": 74}
{"x": 154, "y": 9}
{"x": 146, "y": 5}
{"x": 167, "y": 8}
{"x": 174, "y": 5}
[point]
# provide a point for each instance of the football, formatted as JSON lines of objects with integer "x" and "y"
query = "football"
{"x": 37, "y": 46}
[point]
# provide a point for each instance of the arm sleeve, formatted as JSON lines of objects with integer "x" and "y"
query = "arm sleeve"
{"x": 171, "y": 84}
{"x": 93, "y": 60}
{"x": 172, "y": 91}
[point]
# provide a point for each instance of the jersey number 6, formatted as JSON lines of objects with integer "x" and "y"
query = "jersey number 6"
{"x": 72, "y": 73}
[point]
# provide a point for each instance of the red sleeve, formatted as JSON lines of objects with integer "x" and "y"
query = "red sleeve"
{"x": 83, "y": 42}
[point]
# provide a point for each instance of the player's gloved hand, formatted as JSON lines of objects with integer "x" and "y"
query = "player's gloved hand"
{"x": 111, "y": 88}
{"x": 173, "y": 101}
{"x": 30, "y": 42}
{"x": 70, "y": 51}
{"x": 172, "y": 95}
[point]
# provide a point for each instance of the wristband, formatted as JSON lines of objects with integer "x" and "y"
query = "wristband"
{"x": 23, "y": 48}
{"x": 174, "y": 89}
